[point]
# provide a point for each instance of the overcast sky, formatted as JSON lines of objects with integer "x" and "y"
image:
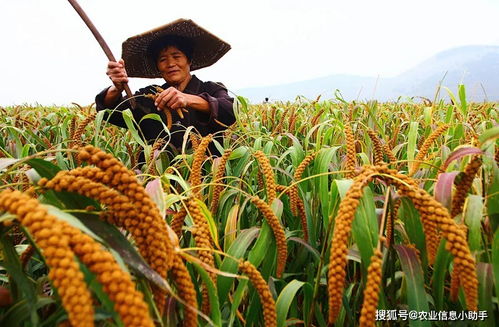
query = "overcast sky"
{"x": 47, "y": 54}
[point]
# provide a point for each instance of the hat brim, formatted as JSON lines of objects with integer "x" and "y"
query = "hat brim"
{"x": 207, "y": 48}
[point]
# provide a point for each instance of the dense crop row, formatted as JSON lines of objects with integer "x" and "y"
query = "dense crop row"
{"x": 317, "y": 212}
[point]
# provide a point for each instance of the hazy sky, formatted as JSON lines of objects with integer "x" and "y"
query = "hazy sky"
{"x": 48, "y": 55}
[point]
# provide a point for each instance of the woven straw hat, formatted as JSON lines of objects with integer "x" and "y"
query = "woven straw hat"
{"x": 207, "y": 48}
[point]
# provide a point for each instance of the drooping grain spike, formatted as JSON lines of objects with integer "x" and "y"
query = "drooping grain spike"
{"x": 341, "y": 234}
{"x": 277, "y": 229}
{"x": 63, "y": 269}
{"x": 297, "y": 177}
{"x": 423, "y": 151}
{"x": 220, "y": 173}
{"x": 194, "y": 141}
{"x": 432, "y": 210}
{"x": 371, "y": 292}
{"x": 202, "y": 236}
{"x": 77, "y": 142}
{"x": 197, "y": 163}
{"x": 351, "y": 157}
{"x": 186, "y": 290}
{"x": 152, "y": 162}
{"x": 178, "y": 221}
{"x": 465, "y": 185}
{"x": 300, "y": 207}
{"x": 117, "y": 284}
{"x": 266, "y": 299}
{"x": 391, "y": 221}
{"x": 378, "y": 148}
{"x": 270, "y": 183}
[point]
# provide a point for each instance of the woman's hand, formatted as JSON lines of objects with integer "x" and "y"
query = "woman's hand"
{"x": 117, "y": 73}
{"x": 171, "y": 99}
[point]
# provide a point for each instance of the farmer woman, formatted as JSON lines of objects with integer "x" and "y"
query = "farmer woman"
{"x": 171, "y": 52}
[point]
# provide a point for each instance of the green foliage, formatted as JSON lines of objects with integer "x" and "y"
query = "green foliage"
{"x": 37, "y": 142}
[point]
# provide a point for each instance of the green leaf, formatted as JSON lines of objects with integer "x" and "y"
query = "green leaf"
{"x": 462, "y": 99}
{"x": 231, "y": 227}
{"x": 489, "y": 135}
{"x": 21, "y": 311}
{"x": 440, "y": 269}
{"x": 495, "y": 260}
{"x": 416, "y": 295}
{"x": 365, "y": 228}
{"x": 237, "y": 250}
{"x": 129, "y": 121}
{"x": 117, "y": 241}
{"x": 486, "y": 281}
{"x": 44, "y": 168}
{"x": 212, "y": 294}
{"x": 493, "y": 200}
{"x": 321, "y": 165}
{"x": 286, "y": 297}
{"x": 413, "y": 226}
{"x": 69, "y": 200}
{"x": 473, "y": 219}
{"x": 26, "y": 287}
{"x": 238, "y": 153}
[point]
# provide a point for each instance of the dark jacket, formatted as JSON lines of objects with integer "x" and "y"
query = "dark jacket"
{"x": 214, "y": 93}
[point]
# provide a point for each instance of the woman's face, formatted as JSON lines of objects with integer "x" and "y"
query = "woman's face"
{"x": 173, "y": 65}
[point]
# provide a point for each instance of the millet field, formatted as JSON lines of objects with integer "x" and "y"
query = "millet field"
{"x": 317, "y": 213}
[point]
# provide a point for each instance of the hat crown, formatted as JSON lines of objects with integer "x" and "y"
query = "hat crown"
{"x": 207, "y": 48}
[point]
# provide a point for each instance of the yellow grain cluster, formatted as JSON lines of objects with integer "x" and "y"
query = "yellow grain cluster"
{"x": 185, "y": 288}
{"x": 194, "y": 140}
{"x": 423, "y": 151}
{"x": 277, "y": 229}
{"x": 178, "y": 221}
{"x": 220, "y": 173}
{"x": 455, "y": 281}
{"x": 77, "y": 142}
{"x": 456, "y": 239}
{"x": 137, "y": 211}
{"x": 63, "y": 269}
{"x": 300, "y": 208}
{"x": 266, "y": 299}
{"x": 378, "y": 148}
{"x": 118, "y": 285}
{"x": 433, "y": 215}
{"x": 390, "y": 222}
{"x": 339, "y": 245}
{"x": 371, "y": 292}
{"x": 264, "y": 163}
{"x": 155, "y": 147}
{"x": 131, "y": 155}
{"x": 297, "y": 206}
{"x": 395, "y": 134}
{"x": 351, "y": 158}
{"x": 201, "y": 232}
{"x": 72, "y": 127}
{"x": 197, "y": 163}
{"x": 465, "y": 185}
{"x": 292, "y": 120}
{"x": 297, "y": 177}
{"x": 202, "y": 236}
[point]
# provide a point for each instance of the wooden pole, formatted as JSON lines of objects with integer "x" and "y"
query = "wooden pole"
{"x": 101, "y": 42}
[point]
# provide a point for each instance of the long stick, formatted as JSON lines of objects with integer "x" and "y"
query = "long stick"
{"x": 101, "y": 42}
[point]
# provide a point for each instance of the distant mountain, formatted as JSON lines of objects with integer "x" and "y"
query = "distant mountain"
{"x": 477, "y": 67}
